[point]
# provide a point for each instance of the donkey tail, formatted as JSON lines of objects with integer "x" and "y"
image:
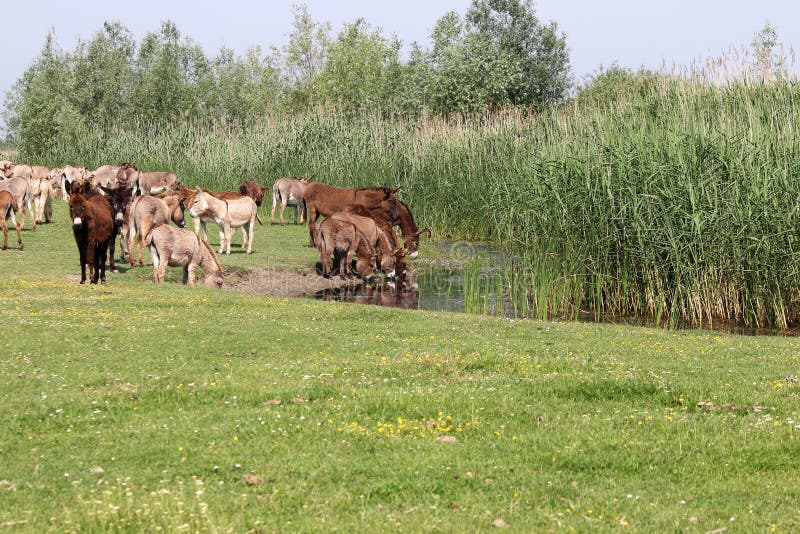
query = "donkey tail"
{"x": 148, "y": 239}
{"x": 14, "y": 206}
{"x": 277, "y": 198}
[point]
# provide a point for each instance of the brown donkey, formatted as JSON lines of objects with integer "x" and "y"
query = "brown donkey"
{"x": 323, "y": 199}
{"x": 178, "y": 247}
{"x": 342, "y": 240}
{"x": 8, "y": 208}
{"x": 93, "y": 227}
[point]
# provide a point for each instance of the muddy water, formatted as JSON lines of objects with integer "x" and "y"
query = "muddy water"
{"x": 435, "y": 285}
{"x": 438, "y": 285}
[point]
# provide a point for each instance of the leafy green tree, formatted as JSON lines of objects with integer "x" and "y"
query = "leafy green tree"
{"x": 362, "y": 69}
{"x": 39, "y": 99}
{"x": 768, "y": 62}
{"x": 411, "y": 95}
{"x": 173, "y": 76}
{"x": 538, "y": 50}
{"x": 304, "y": 58}
{"x": 103, "y": 73}
{"x": 499, "y": 54}
{"x": 468, "y": 74}
{"x": 243, "y": 88}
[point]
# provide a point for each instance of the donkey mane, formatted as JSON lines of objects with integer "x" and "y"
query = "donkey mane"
{"x": 211, "y": 254}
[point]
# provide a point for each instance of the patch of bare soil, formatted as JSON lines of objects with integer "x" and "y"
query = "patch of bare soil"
{"x": 280, "y": 282}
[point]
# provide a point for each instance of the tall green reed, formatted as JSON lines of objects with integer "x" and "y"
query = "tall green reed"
{"x": 675, "y": 200}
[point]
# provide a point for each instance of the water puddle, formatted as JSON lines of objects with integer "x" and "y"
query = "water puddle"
{"x": 442, "y": 284}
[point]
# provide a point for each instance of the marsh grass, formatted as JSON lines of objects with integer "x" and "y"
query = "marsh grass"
{"x": 133, "y": 406}
{"x": 675, "y": 199}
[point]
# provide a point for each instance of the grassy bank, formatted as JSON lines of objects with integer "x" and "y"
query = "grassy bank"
{"x": 132, "y": 406}
{"x": 672, "y": 199}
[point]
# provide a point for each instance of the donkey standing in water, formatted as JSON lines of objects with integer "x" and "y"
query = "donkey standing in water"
{"x": 178, "y": 247}
{"x": 289, "y": 191}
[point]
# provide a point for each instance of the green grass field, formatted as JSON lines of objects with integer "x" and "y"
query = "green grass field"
{"x": 132, "y": 407}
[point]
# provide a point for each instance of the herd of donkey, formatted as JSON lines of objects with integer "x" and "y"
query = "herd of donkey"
{"x": 357, "y": 232}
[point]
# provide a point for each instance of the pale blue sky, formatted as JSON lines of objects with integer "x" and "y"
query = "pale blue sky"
{"x": 599, "y": 32}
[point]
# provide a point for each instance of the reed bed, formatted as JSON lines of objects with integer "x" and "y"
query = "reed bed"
{"x": 675, "y": 199}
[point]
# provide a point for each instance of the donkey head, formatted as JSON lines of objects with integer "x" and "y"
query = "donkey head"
{"x": 77, "y": 210}
{"x": 199, "y": 204}
{"x": 119, "y": 198}
{"x": 213, "y": 280}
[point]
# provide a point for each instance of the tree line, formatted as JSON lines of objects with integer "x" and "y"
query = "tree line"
{"x": 497, "y": 55}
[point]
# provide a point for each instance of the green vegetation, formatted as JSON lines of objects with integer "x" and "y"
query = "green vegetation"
{"x": 675, "y": 199}
{"x": 131, "y": 406}
{"x": 499, "y": 54}
{"x": 666, "y": 196}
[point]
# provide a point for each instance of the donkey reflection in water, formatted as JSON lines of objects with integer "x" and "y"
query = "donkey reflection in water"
{"x": 178, "y": 247}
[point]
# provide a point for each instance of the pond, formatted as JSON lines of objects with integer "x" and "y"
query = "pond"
{"x": 436, "y": 284}
{"x": 472, "y": 278}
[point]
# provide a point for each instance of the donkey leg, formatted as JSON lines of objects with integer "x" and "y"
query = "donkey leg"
{"x": 272, "y": 213}
{"x": 156, "y": 262}
{"x": 140, "y": 246}
{"x": 312, "y": 224}
{"x": 221, "y": 239}
{"x": 283, "y": 208}
{"x": 101, "y": 260}
{"x": 111, "y": 246}
{"x": 228, "y": 237}
{"x": 5, "y": 234}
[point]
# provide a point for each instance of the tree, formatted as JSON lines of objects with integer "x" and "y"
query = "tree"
{"x": 40, "y": 98}
{"x": 304, "y": 57}
{"x": 361, "y": 71}
{"x": 243, "y": 87}
{"x": 511, "y": 27}
{"x": 172, "y": 76}
{"x": 104, "y": 74}
{"x": 768, "y": 63}
{"x": 468, "y": 72}
{"x": 499, "y": 54}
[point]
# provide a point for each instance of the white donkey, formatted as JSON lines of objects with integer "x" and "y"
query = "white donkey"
{"x": 229, "y": 215}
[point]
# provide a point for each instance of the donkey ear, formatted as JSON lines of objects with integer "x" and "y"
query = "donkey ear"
{"x": 199, "y": 190}
{"x": 424, "y": 231}
{"x": 398, "y": 188}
